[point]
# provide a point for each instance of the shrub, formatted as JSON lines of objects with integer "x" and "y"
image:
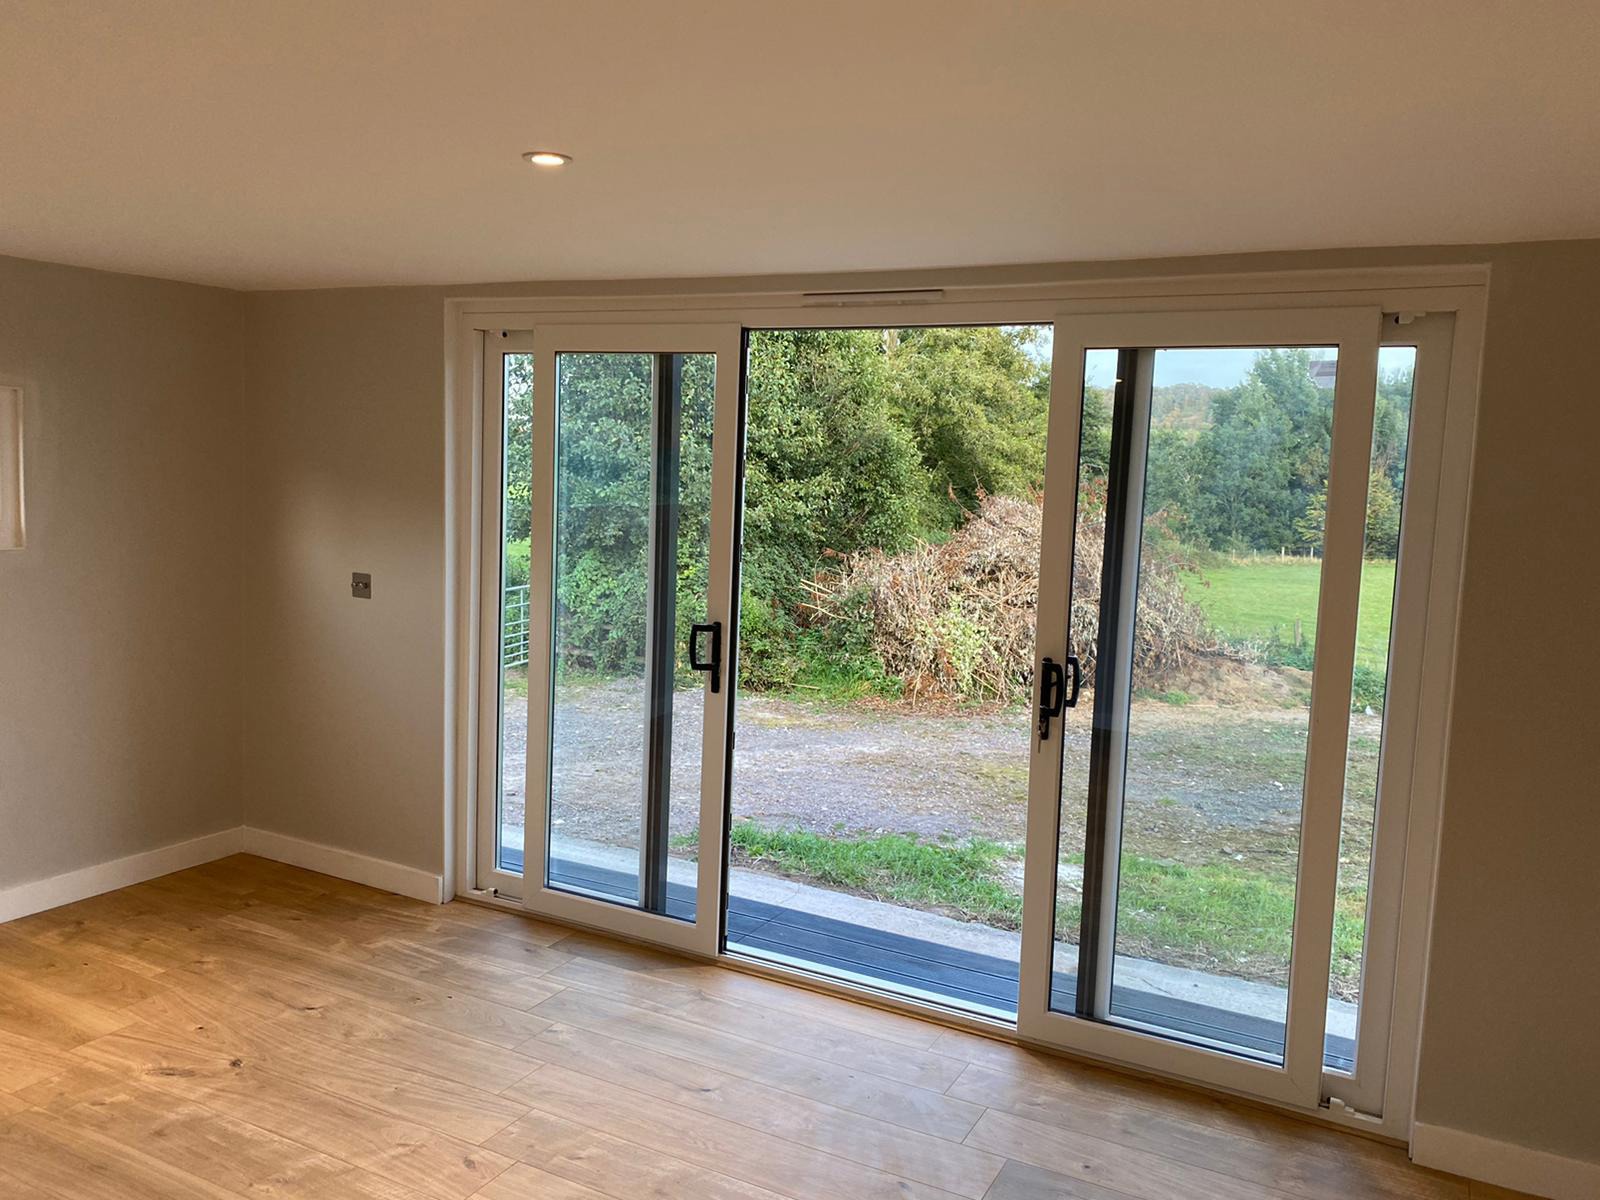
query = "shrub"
{"x": 516, "y": 563}
{"x": 956, "y": 619}
{"x": 1368, "y": 688}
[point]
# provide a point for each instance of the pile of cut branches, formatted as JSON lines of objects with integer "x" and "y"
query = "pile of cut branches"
{"x": 955, "y": 620}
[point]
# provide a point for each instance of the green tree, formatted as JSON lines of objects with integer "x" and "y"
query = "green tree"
{"x": 1246, "y": 478}
{"x": 969, "y": 398}
{"x": 829, "y": 469}
{"x": 518, "y": 445}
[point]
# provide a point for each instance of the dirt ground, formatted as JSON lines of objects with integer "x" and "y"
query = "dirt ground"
{"x": 1208, "y": 780}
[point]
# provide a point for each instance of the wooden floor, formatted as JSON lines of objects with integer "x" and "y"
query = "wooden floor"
{"x": 246, "y": 1028}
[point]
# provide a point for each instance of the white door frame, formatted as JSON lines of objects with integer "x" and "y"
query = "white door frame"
{"x": 970, "y": 298}
{"x": 497, "y": 346}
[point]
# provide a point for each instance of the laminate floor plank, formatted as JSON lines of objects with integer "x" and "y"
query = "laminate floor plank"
{"x": 33, "y": 1011}
{"x": 793, "y": 1030}
{"x": 709, "y": 979}
{"x": 763, "y": 1159}
{"x": 1100, "y": 1085}
{"x": 379, "y": 1033}
{"x": 499, "y": 985}
{"x": 460, "y": 1110}
{"x": 517, "y": 953}
{"x": 402, "y": 1151}
{"x": 1368, "y": 1170}
{"x": 458, "y": 1009}
{"x": 857, "y": 1091}
{"x": 201, "y": 1142}
{"x": 1021, "y": 1181}
{"x": 25, "y": 1060}
{"x": 1088, "y": 1159}
{"x": 615, "y": 1167}
{"x": 39, "y": 1156}
{"x": 681, "y": 1082}
{"x": 523, "y": 1182}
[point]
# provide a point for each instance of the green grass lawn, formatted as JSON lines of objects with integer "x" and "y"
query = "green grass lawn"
{"x": 962, "y": 878}
{"x": 1260, "y": 601}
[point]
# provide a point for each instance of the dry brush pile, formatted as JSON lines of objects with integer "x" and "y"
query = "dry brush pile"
{"x": 956, "y": 620}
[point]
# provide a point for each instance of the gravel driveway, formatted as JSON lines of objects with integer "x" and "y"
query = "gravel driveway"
{"x": 1205, "y": 781}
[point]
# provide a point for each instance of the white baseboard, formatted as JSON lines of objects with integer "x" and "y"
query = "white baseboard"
{"x": 1504, "y": 1163}
{"x": 345, "y": 864}
{"x": 42, "y": 894}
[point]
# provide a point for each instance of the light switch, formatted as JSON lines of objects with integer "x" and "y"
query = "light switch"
{"x": 361, "y": 585}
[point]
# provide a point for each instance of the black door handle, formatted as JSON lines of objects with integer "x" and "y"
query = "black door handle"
{"x": 714, "y": 663}
{"x": 1054, "y": 694}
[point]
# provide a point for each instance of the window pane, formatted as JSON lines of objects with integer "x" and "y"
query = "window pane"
{"x": 1229, "y": 565}
{"x": 602, "y": 554}
{"x": 633, "y": 513}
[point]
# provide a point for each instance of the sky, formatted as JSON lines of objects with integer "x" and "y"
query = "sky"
{"x": 1216, "y": 367}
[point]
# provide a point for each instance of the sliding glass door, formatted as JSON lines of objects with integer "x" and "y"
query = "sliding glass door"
{"x": 631, "y": 440}
{"x": 1180, "y": 906}
{"x": 1074, "y": 665}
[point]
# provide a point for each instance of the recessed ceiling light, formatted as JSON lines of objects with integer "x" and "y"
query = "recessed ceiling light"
{"x": 547, "y": 158}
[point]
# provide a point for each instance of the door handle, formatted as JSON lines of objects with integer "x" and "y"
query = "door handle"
{"x": 714, "y": 663}
{"x": 1055, "y": 695}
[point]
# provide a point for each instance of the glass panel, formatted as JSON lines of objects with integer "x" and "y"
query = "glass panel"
{"x": 1391, "y": 428}
{"x": 1234, "y": 496}
{"x": 516, "y": 492}
{"x": 604, "y": 437}
{"x": 1094, "y": 460}
{"x": 893, "y": 499}
{"x": 1229, "y": 573}
{"x": 633, "y": 512}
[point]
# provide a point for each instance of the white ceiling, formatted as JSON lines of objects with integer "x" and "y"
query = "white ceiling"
{"x": 293, "y": 143}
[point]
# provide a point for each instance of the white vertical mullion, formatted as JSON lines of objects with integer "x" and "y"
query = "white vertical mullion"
{"x": 1327, "y": 742}
{"x": 489, "y": 430}
{"x": 541, "y": 619}
{"x": 1051, "y": 634}
{"x": 722, "y": 604}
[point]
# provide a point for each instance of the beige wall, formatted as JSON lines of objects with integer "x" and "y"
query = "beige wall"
{"x": 345, "y": 722}
{"x": 1511, "y": 1032}
{"x": 119, "y": 623}
{"x": 343, "y": 698}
